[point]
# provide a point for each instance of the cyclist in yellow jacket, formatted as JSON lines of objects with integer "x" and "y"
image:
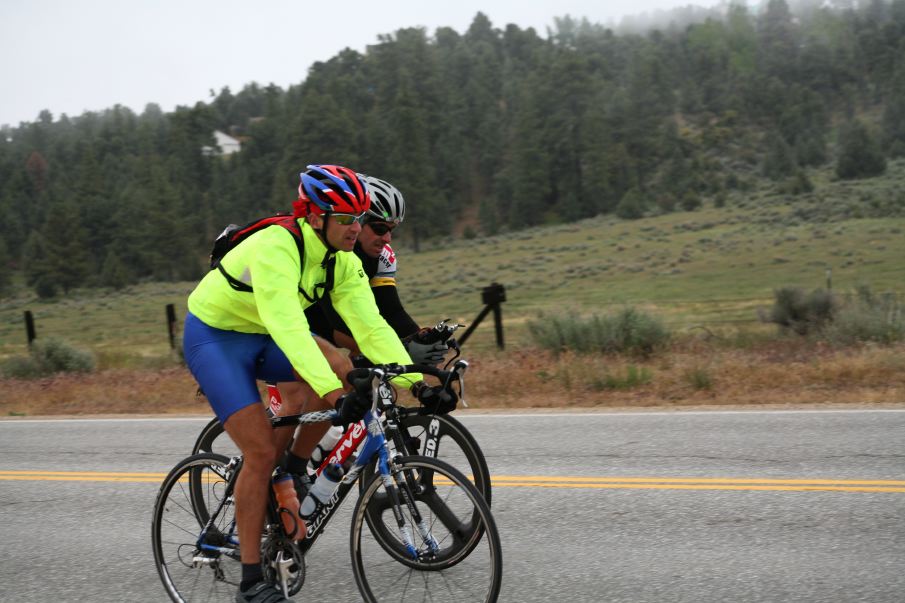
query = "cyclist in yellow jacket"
{"x": 246, "y": 322}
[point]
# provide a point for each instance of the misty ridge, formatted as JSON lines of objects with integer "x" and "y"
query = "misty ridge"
{"x": 485, "y": 131}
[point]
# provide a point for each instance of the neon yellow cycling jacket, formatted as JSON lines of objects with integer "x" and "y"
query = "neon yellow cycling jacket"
{"x": 268, "y": 261}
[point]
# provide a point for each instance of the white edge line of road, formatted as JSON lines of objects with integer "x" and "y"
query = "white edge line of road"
{"x": 492, "y": 415}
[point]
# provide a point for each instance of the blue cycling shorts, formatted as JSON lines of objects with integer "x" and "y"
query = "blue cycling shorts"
{"x": 228, "y": 364}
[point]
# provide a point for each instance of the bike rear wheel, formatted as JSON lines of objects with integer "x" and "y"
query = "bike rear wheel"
{"x": 192, "y": 566}
{"x": 213, "y": 438}
{"x": 458, "y": 556}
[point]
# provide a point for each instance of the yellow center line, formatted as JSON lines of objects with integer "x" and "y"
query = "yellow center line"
{"x": 64, "y": 478}
{"x": 82, "y": 473}
{"x": 638, "y": 486}
{"x": 693, "y": 480}
{"x": 545, "y": 481}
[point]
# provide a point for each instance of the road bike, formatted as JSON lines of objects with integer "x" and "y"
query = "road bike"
{"x": 437, "y": 436}
{"x": 430, "y": 536}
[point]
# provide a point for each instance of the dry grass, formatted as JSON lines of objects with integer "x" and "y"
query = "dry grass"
{"x": 114, "y": 391}
{"x": 694, "y": 375}
{"x": 690, "y": 374}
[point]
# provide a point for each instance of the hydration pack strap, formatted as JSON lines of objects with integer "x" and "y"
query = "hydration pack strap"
{"x": 233, "y": 282}
{"x": 320, "y": 289}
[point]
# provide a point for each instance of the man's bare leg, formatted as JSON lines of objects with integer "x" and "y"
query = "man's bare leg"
{"x": 252, "y": 433}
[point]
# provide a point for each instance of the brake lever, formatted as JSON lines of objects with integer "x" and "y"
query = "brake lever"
{"x": 376, "y": 380}
{"x": 448, "y": 328}
{"x": 459, "y": 371}
{"x": 453, "y": 345}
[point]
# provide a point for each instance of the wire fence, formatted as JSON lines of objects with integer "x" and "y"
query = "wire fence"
{"x": 678, "y": 313}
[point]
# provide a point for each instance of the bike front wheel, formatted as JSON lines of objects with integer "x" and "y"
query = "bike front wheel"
{"x": 443, "y": 523}
{"x": 443, "y": 437}
{"x": 194, "y": 563}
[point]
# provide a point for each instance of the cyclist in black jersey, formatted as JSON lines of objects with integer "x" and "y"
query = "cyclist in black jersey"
{"x": 378, "y": 259}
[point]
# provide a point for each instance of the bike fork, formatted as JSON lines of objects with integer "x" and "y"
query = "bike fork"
{"x": 398, "y": 484}
{"x": 423, "y": 529}
{"x": 408, "y": 537}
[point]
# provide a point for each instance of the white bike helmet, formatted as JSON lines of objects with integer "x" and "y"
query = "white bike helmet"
{"x": 387, "y": 203}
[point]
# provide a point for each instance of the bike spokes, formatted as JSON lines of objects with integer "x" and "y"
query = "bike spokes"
{"x": 456, "y": 559}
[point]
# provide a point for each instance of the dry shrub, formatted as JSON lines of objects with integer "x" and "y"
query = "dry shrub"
{"x": 627, "y": 331}
{"x": 802, "y": 312}
{"x": 47, "y": 357}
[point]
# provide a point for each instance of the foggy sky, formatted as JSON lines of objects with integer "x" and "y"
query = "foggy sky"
{"x": 71, "y": 56}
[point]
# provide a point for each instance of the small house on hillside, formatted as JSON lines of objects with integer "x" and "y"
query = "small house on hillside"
{"x": 225, "y": 145}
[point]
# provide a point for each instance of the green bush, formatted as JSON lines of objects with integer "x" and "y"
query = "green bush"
{"x": 699, "y": 378}
{"x": 803, "y": 313}
{"x": 634, "y": 377}
{"x": 20, "y": 367}
{"x": 48, "y": 356}
{"x": 690, "y": 201}
{"x": 629, "y": 331}
{"x": 860, "y": 155}
{"x": 796, "y": 184}
{"x": 631, "y": 206}
{"x": 855, "y": 318}
{"x": 865, "y": 317}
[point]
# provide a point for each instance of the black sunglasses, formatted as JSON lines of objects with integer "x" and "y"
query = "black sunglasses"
{"x": 380, "y": 229}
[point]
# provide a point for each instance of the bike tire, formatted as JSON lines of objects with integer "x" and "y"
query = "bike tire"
{"x": 213, "y": 438}
{"x": 188, "y": 573}
{"x": 457, "y": 567}
{"x": 465, "y": 454}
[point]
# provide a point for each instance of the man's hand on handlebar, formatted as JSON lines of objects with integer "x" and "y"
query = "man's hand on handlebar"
{"x": 426, "y": 353}
{"x": 436, "y": 400}
{"x": 351, "y": 408}
{"x": 430, "y": 344}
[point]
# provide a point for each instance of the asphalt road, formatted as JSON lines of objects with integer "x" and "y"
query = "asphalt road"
{"x": 661, "y": 507}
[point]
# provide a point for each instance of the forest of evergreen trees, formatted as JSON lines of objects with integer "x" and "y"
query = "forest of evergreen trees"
{"x": 492, "y": 128}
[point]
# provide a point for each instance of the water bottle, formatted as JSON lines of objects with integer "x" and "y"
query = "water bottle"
{"x": 288, "y": 504}
{"x": 322, "y": 489}
{"x": 325, "y": 446}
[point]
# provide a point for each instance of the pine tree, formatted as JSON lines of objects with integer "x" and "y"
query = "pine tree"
{"x": 859, "y": 153}
{"x": 66, "y": 250}
{"x": 778, "y": 40}
{"x": 36, "y": 266}
{"x": 894, "y": 111}
{"x": 779, "y": 160}
{"x": 5, "y": 269}
{"x": 411, "y": 164}
{"x": 114, "y": 272}
{"x": 632, "y": 205}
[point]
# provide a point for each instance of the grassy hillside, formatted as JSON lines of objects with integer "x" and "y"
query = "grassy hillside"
{"x": 712, "y": 267}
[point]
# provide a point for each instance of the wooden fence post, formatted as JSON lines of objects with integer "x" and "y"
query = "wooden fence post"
{"x": 29, "y": 327}
{"x": 492, "y": 296}
{"x": 171, "y": 325}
